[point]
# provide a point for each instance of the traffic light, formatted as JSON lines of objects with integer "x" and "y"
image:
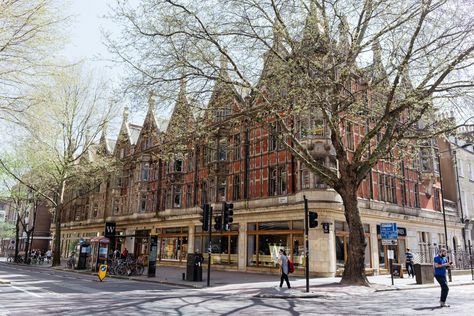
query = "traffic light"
{"x": 228, "y": 215}
{"x": 205, "y": 217}
{"x": 313, "y": 219}
{"x": 218, "y": 224}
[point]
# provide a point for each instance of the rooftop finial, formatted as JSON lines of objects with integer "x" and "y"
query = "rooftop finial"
{"x": 125, "y": 114}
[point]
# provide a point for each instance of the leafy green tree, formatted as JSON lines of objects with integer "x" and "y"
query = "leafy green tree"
{"x": 61, "y": 130}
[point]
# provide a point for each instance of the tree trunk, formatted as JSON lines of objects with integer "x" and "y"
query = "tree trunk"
{"x": 17, "y": 237}
{"x": 57, "y": 237}
{"x": 27, "y": 246}
{"x": 354, "y": 268}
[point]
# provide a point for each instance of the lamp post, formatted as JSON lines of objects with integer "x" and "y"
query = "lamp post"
{"x": 444, "y": 215}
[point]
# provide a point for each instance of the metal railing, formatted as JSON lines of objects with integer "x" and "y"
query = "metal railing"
{"x": 462, "y": 259}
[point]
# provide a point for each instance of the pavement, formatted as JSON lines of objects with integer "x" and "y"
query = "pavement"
{"x": 260, "y": 285}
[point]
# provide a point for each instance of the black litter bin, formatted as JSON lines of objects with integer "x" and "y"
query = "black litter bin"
{"x": 424, "y": 273}
{"x": 194, "y": 267}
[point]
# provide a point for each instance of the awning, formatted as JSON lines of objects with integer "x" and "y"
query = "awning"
{"x": 100, "y": 239}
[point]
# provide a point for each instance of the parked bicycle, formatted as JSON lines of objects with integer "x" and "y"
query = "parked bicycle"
{"x": 18, "y": 259}
{"x": 129, "y": 266}
{"x": 71, "y": 261}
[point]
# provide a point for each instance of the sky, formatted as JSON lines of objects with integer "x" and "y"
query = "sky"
{"x": 85, "y": 42}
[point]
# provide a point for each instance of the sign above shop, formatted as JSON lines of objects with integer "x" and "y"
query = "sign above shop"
{"x": 389, "y": 233}
{"x": 402, "y": 231}
{"x": 325, "y": 228}
{"x": 110, "y": 229}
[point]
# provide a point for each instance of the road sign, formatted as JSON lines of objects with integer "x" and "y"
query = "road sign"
{"x": 389, "y": 233}
{"x": 102, "y": 272}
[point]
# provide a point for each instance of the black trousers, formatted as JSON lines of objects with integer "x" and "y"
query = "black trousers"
{"x": 444, "y": 287}
{"x": 284, "y": 277}
{"x": 409, "y": 268}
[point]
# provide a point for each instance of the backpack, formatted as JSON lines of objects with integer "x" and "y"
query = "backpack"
{"x": 291, "y": 266}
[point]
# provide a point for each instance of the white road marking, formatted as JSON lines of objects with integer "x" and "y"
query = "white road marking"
{"x": 26, "y": 291}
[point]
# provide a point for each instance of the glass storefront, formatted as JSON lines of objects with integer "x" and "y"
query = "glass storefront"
{"x": 224, "y": 245}
{"x": 400, "y": 249}
{"x": 265, "y": 239}
{"x": 173, "y": 243}
{"x": 342, "y": 244}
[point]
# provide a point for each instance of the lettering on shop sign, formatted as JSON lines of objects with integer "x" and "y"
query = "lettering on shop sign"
{"x": 110, "y": 229}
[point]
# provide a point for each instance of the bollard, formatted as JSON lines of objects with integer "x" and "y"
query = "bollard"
{"x": 184, "y": 276}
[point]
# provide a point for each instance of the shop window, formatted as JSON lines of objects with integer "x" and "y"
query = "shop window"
{"x": 265, "y": 239}
{"x": 173, "y": 248}
{"x": 224, "y": 246}
{"x": 342, "y": 244}
{"x": 274, "y": 226}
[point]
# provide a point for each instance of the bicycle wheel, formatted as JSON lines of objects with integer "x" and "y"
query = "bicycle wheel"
{"x": 139, "y": 268}
{"x": 121, "y": 269}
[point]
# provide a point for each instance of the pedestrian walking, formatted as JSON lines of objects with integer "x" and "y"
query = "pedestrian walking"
{"x": 440, "y": 265}
{"x": 409, "y": 263}
{"x": 49, "y": 254}
{"x": 283, "y": 262}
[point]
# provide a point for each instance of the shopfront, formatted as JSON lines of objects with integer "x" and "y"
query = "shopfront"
{"x": 141, "y": 243}
{"x": 265, "y": 239}
{"x": 342, "y": 244}
{"x": 224, "y": 245}
{"x": 173, "y": 243}
{"x": 400, "y": 249}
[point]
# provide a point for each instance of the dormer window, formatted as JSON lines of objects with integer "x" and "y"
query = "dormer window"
{"x": 178, "y": 166}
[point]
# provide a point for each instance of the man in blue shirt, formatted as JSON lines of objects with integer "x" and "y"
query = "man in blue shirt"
{"x": 440, "y": 265}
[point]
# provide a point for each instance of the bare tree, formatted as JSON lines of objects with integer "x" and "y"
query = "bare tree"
{"x": 29, "y": 31}
{"x": 60, "y": 142}
{"x": 390, "y": 66}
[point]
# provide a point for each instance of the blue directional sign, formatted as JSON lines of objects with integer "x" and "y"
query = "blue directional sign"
{"x": 389, "y": 233}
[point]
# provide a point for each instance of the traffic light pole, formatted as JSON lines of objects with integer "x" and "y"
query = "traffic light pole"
{"x": 210, "y": 248}
{"x": 306, "y": 242}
